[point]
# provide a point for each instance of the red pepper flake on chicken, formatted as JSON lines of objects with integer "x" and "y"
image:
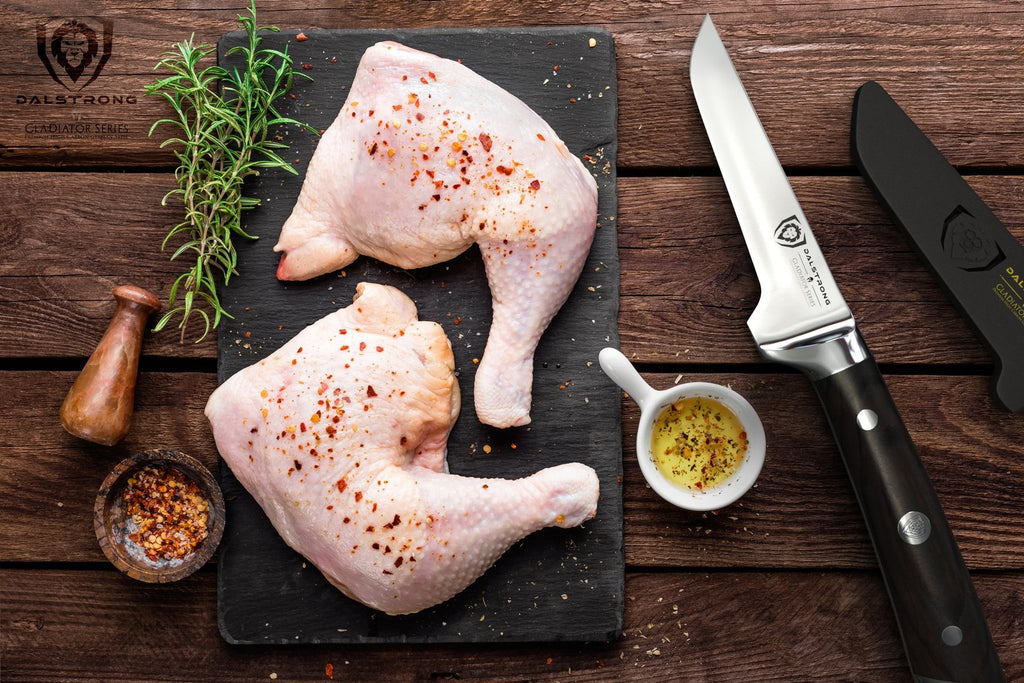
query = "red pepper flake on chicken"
{"x": 343, "y": 445}
{"x": 426, "y": 158}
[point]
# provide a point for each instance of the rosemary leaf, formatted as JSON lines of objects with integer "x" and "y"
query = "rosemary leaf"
{"x": 221, "y": 138}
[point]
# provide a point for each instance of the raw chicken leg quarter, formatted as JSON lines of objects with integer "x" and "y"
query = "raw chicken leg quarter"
{"x": 425, "y": 158}
{"x": 341, "y": 435}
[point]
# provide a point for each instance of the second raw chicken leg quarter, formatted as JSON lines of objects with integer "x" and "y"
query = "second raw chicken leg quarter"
{"x": 341, "y": 436}
{"x": 426, "y": 158}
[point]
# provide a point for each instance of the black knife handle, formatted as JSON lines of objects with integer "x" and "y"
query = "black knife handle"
{"x": 940, "y": 618}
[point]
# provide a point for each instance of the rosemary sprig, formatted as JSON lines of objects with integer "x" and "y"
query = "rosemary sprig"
{"x": 223, "y": 138}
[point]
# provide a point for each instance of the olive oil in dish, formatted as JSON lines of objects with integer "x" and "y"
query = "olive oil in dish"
{"x": 698, "y": 443}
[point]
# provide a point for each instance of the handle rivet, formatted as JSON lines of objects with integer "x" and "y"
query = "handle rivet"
{"x": 952, "y": 635}
{"x": 867, "y": 419}
{"x": 914, "y": 527}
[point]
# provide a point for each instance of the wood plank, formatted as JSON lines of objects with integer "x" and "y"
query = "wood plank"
{"x": 971, "y": 449}
{"x": 60, "y": 625}
{"x": 60, "y": 259}
{"x": 690, "y": 304}
{"x": 956, "y": 70}
{"x": 51, "y": 478}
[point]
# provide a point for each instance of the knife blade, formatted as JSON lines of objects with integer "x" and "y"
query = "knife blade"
{"x": 801, "y": 320}
{"x": 975, "y": 258}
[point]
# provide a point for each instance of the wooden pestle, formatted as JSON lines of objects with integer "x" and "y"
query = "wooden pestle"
{"x": 99, "y": 406}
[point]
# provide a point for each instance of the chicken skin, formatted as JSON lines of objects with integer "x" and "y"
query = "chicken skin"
{"x": 341, "y": 435}
{"x": 427, "y": 158}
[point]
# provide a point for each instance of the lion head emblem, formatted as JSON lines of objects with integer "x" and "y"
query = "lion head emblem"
{"x": 74, "y": 47}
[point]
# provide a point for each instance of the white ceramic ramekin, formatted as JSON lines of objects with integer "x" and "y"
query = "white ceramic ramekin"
{"x": 652, "y": 402}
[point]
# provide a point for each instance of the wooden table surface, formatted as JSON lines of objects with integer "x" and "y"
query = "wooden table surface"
{"x": 780, "y": 586}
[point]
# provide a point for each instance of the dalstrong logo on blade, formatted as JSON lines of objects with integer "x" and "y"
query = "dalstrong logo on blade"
{"x": 790, "y": 233}
{"x": 72, "y": 51}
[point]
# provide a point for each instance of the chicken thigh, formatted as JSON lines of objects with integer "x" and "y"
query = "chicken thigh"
{"x": 340, "y": 436}
{"x": 425, "y": 158}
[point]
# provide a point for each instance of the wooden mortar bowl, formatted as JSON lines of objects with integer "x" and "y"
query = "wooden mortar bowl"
{"x": 111, "y": 523}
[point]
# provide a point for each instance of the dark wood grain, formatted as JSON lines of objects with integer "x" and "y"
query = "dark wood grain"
{"x": 957, "y": 71}
{"x": 61, "y": 625}
{"x": 692, "y": 304}
{"x": 968, "y": 450}
{"x": 781, "y": 586}
{"x": 60, "y": 261}
{"x": 800, "y": 515}
{"x": 50, "y": 478}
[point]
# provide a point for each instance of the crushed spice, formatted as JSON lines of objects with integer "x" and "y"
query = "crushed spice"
{"x": 168, "y": 515}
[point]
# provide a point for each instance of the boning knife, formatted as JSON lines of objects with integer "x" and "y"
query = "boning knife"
{"x": 803, "y": 321}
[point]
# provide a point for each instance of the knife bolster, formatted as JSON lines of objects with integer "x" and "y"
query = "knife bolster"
{"x": 822, "y": 352}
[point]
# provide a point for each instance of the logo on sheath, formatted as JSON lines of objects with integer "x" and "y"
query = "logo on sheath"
{"x": 965, "y": 243}
{"x": 72, "y": 51}
{"x": 790, "y": 233}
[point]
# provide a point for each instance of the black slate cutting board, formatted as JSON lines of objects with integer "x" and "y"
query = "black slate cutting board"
{"x": 556, "y": 584}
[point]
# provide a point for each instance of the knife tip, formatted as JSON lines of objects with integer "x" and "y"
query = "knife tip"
{"x": 706, "y": 34}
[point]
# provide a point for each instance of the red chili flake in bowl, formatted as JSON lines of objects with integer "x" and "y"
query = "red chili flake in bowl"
{"x": 167, "y": 512}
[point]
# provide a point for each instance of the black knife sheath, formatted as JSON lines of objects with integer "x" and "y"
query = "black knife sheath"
{"x": 975, "y": 258}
